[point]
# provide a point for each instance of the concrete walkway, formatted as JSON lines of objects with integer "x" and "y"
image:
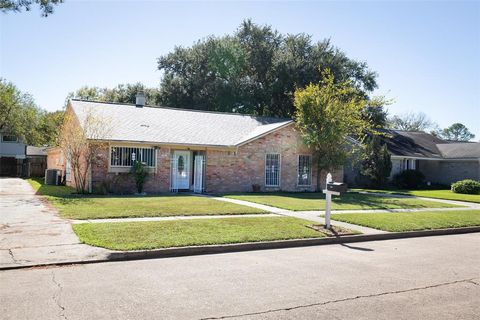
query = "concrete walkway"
{"x": 306, "y": 215}
{"x": 32, "y": 233}
{"x": 315, "y": 215}
{"x": 469, "y": 205}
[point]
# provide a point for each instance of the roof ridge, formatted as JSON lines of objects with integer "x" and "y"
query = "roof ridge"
{"x": 185, "y": 109}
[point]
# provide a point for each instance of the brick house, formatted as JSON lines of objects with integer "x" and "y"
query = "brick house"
{"x": 441, "y": 161}
{"x": 191, "y": 150}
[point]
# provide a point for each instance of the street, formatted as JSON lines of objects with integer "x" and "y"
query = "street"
{"x": 419, "y": 278}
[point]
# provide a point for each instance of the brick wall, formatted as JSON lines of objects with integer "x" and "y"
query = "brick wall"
{"x": 55, "y": 159}
{"x": 226, "y": 171}
{"x": 453, "y": 171}
{"x": 157, "y": 181}
{"x": 237, "y": 171}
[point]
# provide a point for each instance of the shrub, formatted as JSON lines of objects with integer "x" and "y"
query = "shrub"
{"x": 467, "y": 186}
{"x": 376, "y": 162}
{"x": 409, "y": 179}
{"x": 140, "y": 173}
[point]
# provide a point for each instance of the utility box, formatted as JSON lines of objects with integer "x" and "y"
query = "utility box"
{"x": 337, "y": 187}
{"x": 52, "y": 176}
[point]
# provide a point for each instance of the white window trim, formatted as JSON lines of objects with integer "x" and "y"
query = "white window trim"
{"x": 311, "y": 169}
{"x": 409, "y": 164}
{"x": 279, "y": 170}
{"x": 128, "y": 167}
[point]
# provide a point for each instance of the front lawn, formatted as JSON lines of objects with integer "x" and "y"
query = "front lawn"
{"x": 74, "y": 206}
{"x": 409, "y": 221}
{"x": 194, "y": 232}
{"x": 309, "y": 201}
{"x": 436, "y": 194}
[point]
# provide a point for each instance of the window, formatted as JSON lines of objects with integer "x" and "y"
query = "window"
{"x": 126, "y": 156}
{"x": 409, "y": 164}
{"x": 9, "y": 138}
{"x": 272, "y": 169}
{"x": 304, "y": 170}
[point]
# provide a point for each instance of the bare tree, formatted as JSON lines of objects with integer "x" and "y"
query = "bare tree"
{"x": 80, "y": 141}
{"x": 411, "y": 122}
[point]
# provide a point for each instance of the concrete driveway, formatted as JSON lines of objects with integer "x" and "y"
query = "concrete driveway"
{"x": 31, "y": 232}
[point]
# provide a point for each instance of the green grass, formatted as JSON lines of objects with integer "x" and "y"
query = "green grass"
{"x": 410, "y": 221}
{"x": 349, "y": 201}
{"x": 436, "y": 194}
{"x": 192, "y": 232}
{"x": 75, "y": 206}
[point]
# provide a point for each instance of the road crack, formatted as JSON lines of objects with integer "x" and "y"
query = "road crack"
{"x": 56, "y": 297}
{"x": 470, "y": 281}
{"x": 10, "y": 252}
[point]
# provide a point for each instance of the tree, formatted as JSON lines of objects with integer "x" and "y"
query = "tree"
{"x": 46, "y": 6}
{"x": 256, "y": 70}
{"x": 81, "y": 140}
{"x": 326, "y": 114}
{"x": 20, "y": 116}
{"x": 18, "y": 113}
{"x": 122, "y": 93}
{"x": 48, "y": 126}
{"x": 411, "y": 122}
{"x": 457, "y": 132}
{"x": 376, "y": 162}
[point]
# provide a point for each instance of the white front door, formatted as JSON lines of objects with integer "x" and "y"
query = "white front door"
{"x": 198, "y": 173}
{"x": 182, "y": 169}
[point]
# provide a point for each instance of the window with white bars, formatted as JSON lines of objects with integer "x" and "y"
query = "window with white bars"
{"x": 272, "y": 169}
{"x": 304, "y": 170}
{"x": 126, "y": 156}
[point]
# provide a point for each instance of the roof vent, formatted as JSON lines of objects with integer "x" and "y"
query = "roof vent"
{"x": 140, "y": 99}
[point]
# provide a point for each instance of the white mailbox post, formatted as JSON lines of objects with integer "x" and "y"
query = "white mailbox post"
{"x": 328, "y": 200}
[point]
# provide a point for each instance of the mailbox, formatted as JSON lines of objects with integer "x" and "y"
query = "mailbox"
{"x": 337, "y": 187}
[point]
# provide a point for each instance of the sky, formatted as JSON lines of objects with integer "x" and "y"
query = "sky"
{"x": 426, "y": 54}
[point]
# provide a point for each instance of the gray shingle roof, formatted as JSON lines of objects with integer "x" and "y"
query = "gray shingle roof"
{"x": 413, "y": 144}
{"x": 424, "y": 145}
{"x": 176, "y": 126}
{"x": 460, "y": 150}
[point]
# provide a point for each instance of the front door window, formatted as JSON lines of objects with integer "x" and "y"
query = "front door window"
{"x": 181, "y": 166}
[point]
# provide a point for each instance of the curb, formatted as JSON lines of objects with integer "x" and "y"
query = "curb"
{"x": 251, "y": 246}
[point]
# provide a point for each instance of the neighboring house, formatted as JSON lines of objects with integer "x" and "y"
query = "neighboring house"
{"x": 441, "y": 161}
{"x": 12, "y": 155}
{"x": 194, "y": 150}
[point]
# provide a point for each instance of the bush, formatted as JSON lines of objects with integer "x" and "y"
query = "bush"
{"x": 140, "y": 173}
{"x": 409, "y": 179}
{"x": 467, "y": 186}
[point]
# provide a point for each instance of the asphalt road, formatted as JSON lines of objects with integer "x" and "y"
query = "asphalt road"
{"x": 421, "y": 278}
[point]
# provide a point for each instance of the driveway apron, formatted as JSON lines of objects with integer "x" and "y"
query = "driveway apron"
{"x": 32, "y": 233}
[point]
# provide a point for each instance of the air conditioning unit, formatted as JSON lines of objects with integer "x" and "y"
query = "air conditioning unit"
{"x": 52, "y": 177}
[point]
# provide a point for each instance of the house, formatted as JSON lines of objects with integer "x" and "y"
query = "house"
{"x": 19, "y": 160}
{"x": 191, "y": 150}
{"x": 12, "y": 155}
{"x": 441, "y": 161}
